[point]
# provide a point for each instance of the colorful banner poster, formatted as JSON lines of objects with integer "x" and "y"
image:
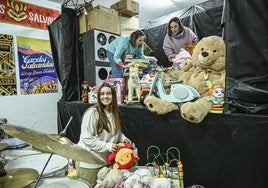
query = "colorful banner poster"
{"x": 36, "y": 66}
{"x": 7, "y": 66}
{"x": 26, "y": 14}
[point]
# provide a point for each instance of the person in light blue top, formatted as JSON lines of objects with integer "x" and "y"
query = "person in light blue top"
{"x": 125, "y": 47}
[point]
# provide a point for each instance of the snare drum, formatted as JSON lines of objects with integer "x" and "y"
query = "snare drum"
{"x": 63, "y": 182}
{"x": 57, "y": 165}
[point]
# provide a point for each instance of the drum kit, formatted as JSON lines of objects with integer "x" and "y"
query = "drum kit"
{"x": 56, "y": 148}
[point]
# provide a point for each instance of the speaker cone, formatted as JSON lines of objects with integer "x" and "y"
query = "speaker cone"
{"x": 111, "y": 38}
{"x": 103, "y": 74}
{"x": 102, "y": 53}
{"x": 102, "y": 39}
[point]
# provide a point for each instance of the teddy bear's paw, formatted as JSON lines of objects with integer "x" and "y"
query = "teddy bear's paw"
{"x": 193, "y": 112}
{"x": 159, "y": 106}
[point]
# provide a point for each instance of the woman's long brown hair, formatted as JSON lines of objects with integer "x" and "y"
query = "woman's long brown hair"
{"x": 103, "y": 122}
{"x": 178, "y": 21}
{"x": 134, "y": 36}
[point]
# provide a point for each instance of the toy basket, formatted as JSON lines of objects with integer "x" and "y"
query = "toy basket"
{"x": 166, "y": 165}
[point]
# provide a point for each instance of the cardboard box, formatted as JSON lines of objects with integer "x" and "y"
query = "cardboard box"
{"x": 100, "y": 17}
{"x": 127, "y": 8}
{"x": 129, "y": 25}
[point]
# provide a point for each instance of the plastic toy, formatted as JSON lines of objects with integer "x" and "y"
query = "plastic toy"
{"x": 179, "y": 93}
{"x": 162, "y": 167}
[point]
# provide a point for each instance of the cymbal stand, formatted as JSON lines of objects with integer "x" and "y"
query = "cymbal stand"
{"x": 39, "y": 177}
{"x": 61, "y": 134}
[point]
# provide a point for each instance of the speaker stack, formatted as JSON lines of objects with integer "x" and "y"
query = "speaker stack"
{"x": 94, "y": 48}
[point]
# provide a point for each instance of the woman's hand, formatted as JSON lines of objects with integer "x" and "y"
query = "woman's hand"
{"x": 151, "y": 59}
{"x": 173, "y": 55}
{"x": 114, "y": 148}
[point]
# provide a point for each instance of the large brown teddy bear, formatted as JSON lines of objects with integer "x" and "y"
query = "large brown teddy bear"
{"x": 208, "y": 66}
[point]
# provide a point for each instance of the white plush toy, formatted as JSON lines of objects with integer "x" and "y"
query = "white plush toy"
{"x": 141, "y": 178}
{"x": 161, "y": 182}
{"x": 133, "y": 82}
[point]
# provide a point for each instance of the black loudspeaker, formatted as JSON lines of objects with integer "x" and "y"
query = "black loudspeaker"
{"x": 94, "y": 52}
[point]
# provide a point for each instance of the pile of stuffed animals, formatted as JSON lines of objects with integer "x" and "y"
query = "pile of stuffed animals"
{"x": 124, "y": 174}
{"x": 140, "y": 178}
{"x": 205, "y": 72}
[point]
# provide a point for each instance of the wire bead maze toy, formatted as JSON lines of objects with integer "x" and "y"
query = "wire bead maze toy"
{"x": 166, "y": 165}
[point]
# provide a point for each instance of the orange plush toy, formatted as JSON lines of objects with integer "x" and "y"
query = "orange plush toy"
{"x": 123, "y": 158}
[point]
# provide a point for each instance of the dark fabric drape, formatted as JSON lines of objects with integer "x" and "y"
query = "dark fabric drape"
{"x": 203, "y": 23}
{"x": 223, "y": 151}
{"x": 63, "y": 33}
{"x": 246, "y": 35}
{"x": 154, "y": 38}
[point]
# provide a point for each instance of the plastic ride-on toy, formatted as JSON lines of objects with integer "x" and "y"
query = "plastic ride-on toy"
{"x": 179, "y": 93}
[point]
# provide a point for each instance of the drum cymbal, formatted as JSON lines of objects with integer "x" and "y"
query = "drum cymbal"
{"x": 3, "y": 146}
{"x": 52, "y": 143}
{"x": 19, "y": 177}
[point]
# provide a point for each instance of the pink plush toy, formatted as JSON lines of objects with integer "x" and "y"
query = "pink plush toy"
{"x": 181, "y": 58}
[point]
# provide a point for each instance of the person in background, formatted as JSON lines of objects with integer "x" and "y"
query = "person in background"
{"x": 125, "y": 47}
{"x": 177, "y": 37}
{"x": 100, "y": 131}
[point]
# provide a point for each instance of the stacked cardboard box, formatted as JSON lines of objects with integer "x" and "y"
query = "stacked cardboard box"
{"x": 100, "y": 17}
{"x": 128, "y": 25}
{"x": 126, "y": 8}
{"x": 128, "y": 11}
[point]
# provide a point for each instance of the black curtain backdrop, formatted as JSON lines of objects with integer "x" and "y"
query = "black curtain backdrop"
{"x": 64, "y": 33}
{"x": 246, "y": 35}
{"x": 203, "y": 23}
{"x": 223, "y": 151}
